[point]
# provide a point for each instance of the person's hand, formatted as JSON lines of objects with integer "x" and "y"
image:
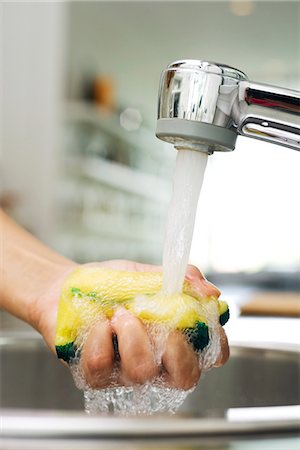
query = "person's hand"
{"x": 32, "y": 277}
{"x": 180, "y": 365}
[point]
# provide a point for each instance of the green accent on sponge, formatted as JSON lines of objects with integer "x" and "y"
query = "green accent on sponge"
{"x": 198, "y": 336}
{"x": 76, "y": 291}
{"x": 66, "y": 352}
{"x": 224, "y": 317}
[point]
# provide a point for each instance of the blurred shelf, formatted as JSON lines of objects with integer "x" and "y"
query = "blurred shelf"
{"x": 126, "y": 179}
{"x": 90, "y": 247}
{"x": 115, "y": 227}
{"x": 120, "y": 175}
{"x": 89, "y": 113}
{"x": 114, "y": 189}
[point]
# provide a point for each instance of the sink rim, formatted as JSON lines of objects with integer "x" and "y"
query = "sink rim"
{"x": 26, "y": 423}
{"x": 65, "y": 425}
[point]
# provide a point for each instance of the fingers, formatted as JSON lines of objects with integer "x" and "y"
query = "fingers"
{"x": 203, "y": 288}
{"x": 180, "y": 362}
{"x": 97, "y": 358}
{"x": 138, "y": 363}
{"x": 199, "y": 284}
{"x": 224, "y": 352}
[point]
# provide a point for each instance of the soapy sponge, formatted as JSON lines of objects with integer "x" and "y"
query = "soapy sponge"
{"x": 92, "y": 292}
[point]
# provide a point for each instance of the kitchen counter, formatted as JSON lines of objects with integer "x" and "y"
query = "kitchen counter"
{"x": 280, "y": 332}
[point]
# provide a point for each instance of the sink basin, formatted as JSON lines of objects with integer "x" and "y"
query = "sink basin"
{"x": 255, "y": 392}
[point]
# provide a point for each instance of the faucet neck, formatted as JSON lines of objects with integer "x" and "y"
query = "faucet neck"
{"x": 268, "y": 113}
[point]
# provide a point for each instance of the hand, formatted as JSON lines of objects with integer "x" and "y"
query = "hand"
{"x": 32, "y": 277}
{"x": 137, "y": 361}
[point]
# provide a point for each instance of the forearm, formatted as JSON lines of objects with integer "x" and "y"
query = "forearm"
{"x": 27, "y": 268}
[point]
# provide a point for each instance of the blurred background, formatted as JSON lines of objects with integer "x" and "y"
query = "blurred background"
{"x": 80, "y": 165}
{"x": 81, "y": 168}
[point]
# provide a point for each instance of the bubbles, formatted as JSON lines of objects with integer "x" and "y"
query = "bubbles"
{"x": 147, "y": 399}
{"x": 152, "y": 397}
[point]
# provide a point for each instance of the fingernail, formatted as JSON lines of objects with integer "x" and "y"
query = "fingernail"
{"x": 119, "y": 313}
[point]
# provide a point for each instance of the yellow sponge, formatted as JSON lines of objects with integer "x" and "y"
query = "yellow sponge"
{"x": 91, "y": 292}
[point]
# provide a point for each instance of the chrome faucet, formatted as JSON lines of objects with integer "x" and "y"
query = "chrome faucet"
{"x": 205, "y": 106}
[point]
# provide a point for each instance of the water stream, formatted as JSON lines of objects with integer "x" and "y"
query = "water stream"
{"x": 188, "y": 180}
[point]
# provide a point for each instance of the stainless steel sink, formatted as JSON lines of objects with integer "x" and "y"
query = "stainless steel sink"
{"x": 254, "y": 393}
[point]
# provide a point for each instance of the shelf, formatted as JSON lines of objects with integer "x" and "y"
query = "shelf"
{"x": 132, "y": 229}
{"x": 83, "y": 112}
{"x": 90, "y": 247}
{"x": 103, "y": 225}
{"x": 127, "y": 179}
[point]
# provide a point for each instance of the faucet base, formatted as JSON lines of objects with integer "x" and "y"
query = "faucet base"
{"x": 183, "y": 133}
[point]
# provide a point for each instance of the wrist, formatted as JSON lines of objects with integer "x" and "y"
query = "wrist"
{"x": 28, "y": 270}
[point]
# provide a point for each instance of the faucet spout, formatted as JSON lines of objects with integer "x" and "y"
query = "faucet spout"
{"x": 205, "y": 106}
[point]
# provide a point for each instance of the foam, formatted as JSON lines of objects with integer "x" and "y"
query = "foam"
{"x": 147, "y": 399}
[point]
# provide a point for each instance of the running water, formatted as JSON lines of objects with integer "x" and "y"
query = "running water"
{"x": 187, "y": 184}
{"x": 188, "y": 179}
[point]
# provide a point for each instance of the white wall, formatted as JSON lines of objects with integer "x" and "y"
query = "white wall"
{"x": 134, "y": 41}
{"x": 248, "y": 216}
{"x": 32, "y": 43}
